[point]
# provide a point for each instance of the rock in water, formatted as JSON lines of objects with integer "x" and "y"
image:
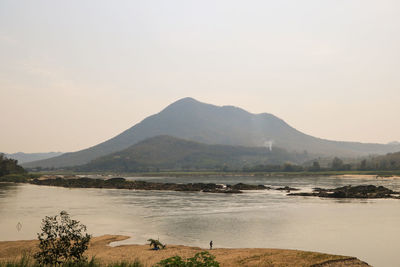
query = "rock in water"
{"x": 349, "y": 191}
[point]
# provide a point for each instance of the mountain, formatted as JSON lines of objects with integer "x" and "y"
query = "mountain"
{"x": 28, "y": 157}
{"x": 394, "y": 143}
{"x": 171, "y": 153}
{"x": 192, "y": 120}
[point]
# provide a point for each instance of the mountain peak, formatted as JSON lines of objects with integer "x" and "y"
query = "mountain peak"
{"x": 185, "y": 100}
{"x": 184, "y": 104}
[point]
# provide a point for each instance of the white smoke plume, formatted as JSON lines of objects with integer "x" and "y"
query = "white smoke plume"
{"x": 268, "y": 144}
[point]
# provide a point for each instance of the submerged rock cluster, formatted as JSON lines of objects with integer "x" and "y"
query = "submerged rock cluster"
{"x": 121, "y": 183}
{"x": 349, "y": 191}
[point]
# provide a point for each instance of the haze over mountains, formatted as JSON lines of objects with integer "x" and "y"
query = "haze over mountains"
{"x": 170, "y": 153}
{"x": 209, "y": 124}
{"x": 28, "y": 157}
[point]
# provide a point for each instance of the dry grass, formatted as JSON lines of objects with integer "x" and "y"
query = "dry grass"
{"x": 11, "y": 250}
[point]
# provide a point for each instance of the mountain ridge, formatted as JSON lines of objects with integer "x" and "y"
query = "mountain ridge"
{"x": 29, "y": 157}
{"x": 165, "y": 152}
{"x": 190, "y": 119}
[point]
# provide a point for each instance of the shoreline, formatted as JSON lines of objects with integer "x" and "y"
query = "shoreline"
{"x": 100, "y": 249}
{"x": 366, "y": 176}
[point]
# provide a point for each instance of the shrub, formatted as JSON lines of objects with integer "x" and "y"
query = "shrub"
{"x": 156, "y": 244}
{"x": 201, "y": 259}
{"x": 62, "y": 240}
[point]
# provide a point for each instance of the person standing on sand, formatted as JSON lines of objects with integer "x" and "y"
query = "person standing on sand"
{"x": 211, "y": 243}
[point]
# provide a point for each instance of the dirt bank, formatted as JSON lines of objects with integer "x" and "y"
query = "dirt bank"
{"x": 11, "y": 250}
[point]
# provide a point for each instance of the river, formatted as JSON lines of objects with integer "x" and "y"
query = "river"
{"x": 367, "y": 229}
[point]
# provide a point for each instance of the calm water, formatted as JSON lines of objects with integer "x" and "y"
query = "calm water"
{"x": 367, "y": 229}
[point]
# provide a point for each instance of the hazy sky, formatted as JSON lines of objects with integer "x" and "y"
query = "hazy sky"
{"x": 76, "y": 73}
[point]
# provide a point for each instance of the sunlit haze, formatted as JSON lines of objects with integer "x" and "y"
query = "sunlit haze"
{"x": 76, "y": 73}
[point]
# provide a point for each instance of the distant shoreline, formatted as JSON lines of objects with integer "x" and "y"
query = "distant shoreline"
{"x": 366, "y": 176}
{"x": 178, "y": 174}
{"x": 102, "y": 251}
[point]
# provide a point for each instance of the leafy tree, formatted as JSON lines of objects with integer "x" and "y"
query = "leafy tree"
{"x": 175, "y": 261}
{"x": 62, "y": 240}
{"x": 315, "y": 167}
{"x": 287, "y": 167}
{"x": 383, "y": 164}
{"x": 346, "y": 167}
{"x": 201, "y": 259}
{"x": 363, "y": 165}
{"x": 9, "y": 166}
{"x": 337, "y": 164}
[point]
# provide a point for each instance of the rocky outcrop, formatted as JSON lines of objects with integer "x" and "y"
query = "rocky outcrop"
{"x": 287, "y": 188}
{"x": 121, "y": 183}
{"x": 241, "y": 186}
{"x": 349, "y": 191}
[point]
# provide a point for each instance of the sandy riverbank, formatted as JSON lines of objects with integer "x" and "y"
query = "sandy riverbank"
{"x": 99, "y": 247}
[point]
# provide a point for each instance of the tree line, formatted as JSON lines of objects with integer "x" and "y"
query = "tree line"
{"x": 9, "y": 166}
{"x": 389, "y": 162}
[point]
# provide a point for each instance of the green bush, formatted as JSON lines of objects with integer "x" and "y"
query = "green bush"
{"x": 126, "y": 264}
{"x": 201, "y": 259}
{"x": 62, "y": 240}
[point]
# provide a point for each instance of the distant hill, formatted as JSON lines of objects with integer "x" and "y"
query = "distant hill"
{"x": 226, "y": 125}
{"x": 171, "y": 153}
{"x": 28, "y": 157}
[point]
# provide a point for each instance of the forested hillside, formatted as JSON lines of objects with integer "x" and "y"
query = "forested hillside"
{"x": 170, "y": 153}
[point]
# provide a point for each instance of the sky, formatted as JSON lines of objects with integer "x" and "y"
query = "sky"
{"x": 76, "y": 73}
